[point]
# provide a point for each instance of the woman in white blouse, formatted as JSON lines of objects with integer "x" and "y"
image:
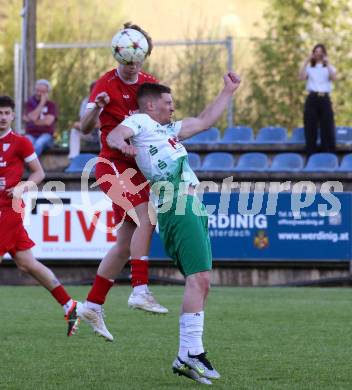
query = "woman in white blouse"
{"x": 318, "y": 112}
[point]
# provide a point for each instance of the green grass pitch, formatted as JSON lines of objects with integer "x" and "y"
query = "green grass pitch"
{"x": 268, "y": 338}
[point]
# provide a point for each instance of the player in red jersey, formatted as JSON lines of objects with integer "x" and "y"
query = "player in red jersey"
{"x": 15, "y": 152}
{"x": 111, "y": 101}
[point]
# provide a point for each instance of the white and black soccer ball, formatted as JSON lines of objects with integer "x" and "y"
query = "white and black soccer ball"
{"x": 128, "y": 46}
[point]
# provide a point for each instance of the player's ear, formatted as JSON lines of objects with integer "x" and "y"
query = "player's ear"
{"x": 150, "y": 104}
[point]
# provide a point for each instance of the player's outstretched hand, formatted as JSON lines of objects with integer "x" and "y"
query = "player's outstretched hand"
{"x": 232, "y": 81}
{"x": 102, "y": 99}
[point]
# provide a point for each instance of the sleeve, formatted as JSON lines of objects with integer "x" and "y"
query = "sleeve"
{"x": 175, "y": 127}
{"x": 100, "y": 86}
{"x": 135, "y": 123}
{"x": 82, "y": 108}
{"x": 27, "y": 150}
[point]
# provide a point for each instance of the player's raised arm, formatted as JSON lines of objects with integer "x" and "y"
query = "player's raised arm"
{"x": 192, "y": 126}
{"x": 116, "y": 139}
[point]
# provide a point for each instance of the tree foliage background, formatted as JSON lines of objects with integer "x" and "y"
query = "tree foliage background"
{"x": 193, "y": 72}
{"x": 69, "y": 70}
{"x": 275, "y": 96}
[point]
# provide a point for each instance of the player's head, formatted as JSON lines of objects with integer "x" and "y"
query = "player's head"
{"x": 130, "y": 71}
{"x": 42, "y": 87}
{"x": 7, "y": 112}
{"x": 156, "y": 101}
{"x": 147, "y": 36}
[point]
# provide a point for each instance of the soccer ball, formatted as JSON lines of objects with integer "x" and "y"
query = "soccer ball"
{"x": 128, "y": 46}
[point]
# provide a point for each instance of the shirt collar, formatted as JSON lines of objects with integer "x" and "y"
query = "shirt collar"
{"x": 125, "y": 81}
{"x": 7, "y": 133}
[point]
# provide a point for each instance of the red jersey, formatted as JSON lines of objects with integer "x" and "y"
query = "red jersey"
{"x": 123, "y": 103}
{"x": 15, "y": 151}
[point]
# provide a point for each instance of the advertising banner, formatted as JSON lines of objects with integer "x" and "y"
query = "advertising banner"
{"x": 79, "y": 225}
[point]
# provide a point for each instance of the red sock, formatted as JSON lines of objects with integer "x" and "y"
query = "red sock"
{"x": 99, "y": 290}
{"x": 60, "y": 294}
{"x": 139, "y": 272}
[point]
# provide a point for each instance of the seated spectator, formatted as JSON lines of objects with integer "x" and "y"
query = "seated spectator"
{"x": 40, "y": 117}
{"x": 76, "y": 136}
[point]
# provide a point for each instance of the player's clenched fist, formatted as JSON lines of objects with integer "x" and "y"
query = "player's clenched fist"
{"x": 102, "y": 99}
{"x": 129, "y": 150}
{"x": 232, "y": 81}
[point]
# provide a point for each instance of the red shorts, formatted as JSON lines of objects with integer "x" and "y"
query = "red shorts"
{"x": 13, "y": 235}
{"x": 124, "y": 184}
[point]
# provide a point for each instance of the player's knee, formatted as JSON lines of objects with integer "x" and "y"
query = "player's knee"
{"x": 145, "y": 217}
{"x": 23, "y": 266}
{"x": 122, "y": 250}
{"x": 203, "y": 282}
{"x": 146, "y": 224}
{"x": 206, "y": 283}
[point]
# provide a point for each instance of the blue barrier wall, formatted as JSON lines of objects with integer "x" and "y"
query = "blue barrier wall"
{"x": 280, "y": 236}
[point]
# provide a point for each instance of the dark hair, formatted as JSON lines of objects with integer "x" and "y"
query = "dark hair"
{"x": 313, "y": 62}
{"x": 147, "y": 36}
{"x": 151, "y": 90}
{"x": 6, "y": 101}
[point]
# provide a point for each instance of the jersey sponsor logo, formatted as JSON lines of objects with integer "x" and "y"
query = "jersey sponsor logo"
{"x": 2, "y": 162}
{"x": 5, "y": 147}
{"x": 126, "y": 96}
{"x": 162, "y": 164}
{"x": 153, "y": 150}
{"x": 173, "y": 142}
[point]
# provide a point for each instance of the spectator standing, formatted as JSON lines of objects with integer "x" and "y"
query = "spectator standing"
{"x": 40, "y": 117}
{"x": 318, "y": 111}
{"x": 76, "y": 136}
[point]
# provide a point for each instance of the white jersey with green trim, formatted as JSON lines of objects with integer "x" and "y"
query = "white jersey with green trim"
{"x": 160, "y": 156}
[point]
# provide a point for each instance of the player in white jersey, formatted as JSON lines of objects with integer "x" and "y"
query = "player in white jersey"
{"x": 154, "y": 141}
